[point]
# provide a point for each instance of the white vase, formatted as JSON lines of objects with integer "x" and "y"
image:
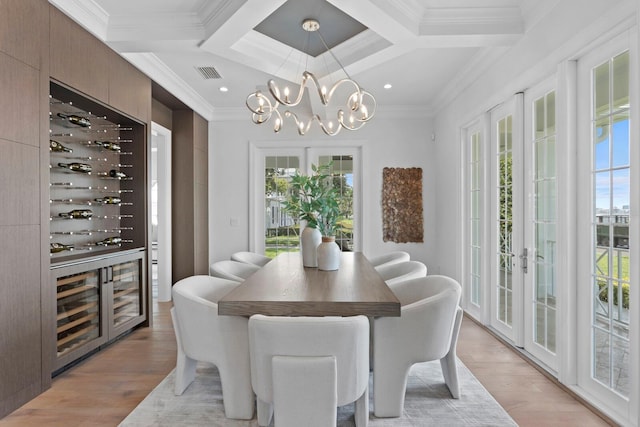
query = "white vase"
{"x": 328, "y": 254}
{"x": 310, "y": 238}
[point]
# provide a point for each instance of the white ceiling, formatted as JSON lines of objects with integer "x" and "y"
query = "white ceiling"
{"x": 427, "y": 49}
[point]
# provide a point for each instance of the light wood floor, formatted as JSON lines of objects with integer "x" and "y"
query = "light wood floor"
{"x": 103, "y": 389}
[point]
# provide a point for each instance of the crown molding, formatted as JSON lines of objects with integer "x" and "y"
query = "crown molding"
{"x": 156, "y": 26}
{"x": 406, "y": 12}
{"x": 157, "y": 70}
{"x": 450, "y": 21}
{"x": 215, "y": 13}
{"x": 87, "y": 13}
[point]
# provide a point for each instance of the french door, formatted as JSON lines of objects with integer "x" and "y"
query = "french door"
{"x": 540, "y": 219}
{"x": 476, "y": 239}
{"x": 506, "y": 224}
{"x": 272, "y": 230}
{"x": 608, "y": 189}
{"x": 510, "y": 203}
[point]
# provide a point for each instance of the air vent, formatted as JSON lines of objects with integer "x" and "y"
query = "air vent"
{"x": 208, "y": 73}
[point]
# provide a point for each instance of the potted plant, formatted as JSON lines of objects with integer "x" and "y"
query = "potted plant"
{"x": 314, "y": 200}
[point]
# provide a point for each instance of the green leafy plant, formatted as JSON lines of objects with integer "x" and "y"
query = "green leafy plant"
{"x": 314, "y": 199}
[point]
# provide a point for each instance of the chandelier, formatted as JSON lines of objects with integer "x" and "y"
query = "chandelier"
{"x": 357, "y": 105}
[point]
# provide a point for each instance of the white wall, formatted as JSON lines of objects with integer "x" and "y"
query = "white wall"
{"x": 569, "y": 29}
{"x": 389, "y": 141}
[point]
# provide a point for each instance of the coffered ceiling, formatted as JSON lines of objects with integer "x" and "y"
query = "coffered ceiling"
{"x": 426, "y": 49}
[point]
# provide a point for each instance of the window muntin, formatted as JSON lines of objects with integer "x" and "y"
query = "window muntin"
{"x": 611, "y": 185}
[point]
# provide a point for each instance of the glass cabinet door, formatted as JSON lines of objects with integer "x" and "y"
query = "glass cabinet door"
{"x": 78, "y": 310}
{"x": 127, "y": 300}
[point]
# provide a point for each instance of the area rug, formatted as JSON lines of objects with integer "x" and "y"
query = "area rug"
{"x": 427, "y": 403}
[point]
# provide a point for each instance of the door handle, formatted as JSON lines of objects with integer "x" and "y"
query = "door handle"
{"x": 524, "y": 260}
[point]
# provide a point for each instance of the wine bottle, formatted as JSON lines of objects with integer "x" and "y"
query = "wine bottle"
{"x": 77, "y": 214}
{"x": 110, "y": 241}
{"x": 59, "y": 247}
{"x": 76, "y": 167}
{"x": 76, "y": 120}
{"x": 117, "y": 174}
{"x": 112, "y": 146}
{"x": 109, "y": 200}
{"x": 58, "y": 148}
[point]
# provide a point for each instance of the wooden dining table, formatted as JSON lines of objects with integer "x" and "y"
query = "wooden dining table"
{"x": 283, "y": 287}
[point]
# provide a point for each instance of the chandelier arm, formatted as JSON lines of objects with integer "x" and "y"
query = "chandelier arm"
{"x": 302, "y": 129}
{"x": 349, "y": 125}
{"x": 277, "y": 126}
{"x": 275, "y": 92}
{"x": 373, "y": 103}
{"x": 360, "y": 105}
{"x": 339, "y": 83}
{"x": 327, "y": 130}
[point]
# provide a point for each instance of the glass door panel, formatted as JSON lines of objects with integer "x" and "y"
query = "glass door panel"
{"x": 475, "y": 201}
{"x": 127, "y": 292}
{"x": 342, "y": 173}
{"x": 346, "y": 177}
{"x": 273, "y": 231}
{"x": 607, "y": 194}
{"x": 540, "y": 296}
{"x": 507, "y": 183}
{"x": 282, "y": 232}
{"x": 610, "y": 173}
{"x": 78, "y": 310}
{"x": 475, "y": 225}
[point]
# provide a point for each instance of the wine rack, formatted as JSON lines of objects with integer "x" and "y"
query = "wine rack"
{"x": 96, "y": 301}
{"x": 126, "y": 293}
{"x": 97, "y": 191}
{"x": 97, "y": 211}
{"x": 78, "y": 310}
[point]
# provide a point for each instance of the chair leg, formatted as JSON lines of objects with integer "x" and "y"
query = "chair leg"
{"x": 265, "y": 412}
{"x": 362, "y": 409}
{"x": 450, "y": 373}
{"x": 185, "y": 366}
{"x": 389, "y": 386}
{"x": 185, "y": 372}
{"x": 448, "y": 362}
{"x": 237, "y": 394}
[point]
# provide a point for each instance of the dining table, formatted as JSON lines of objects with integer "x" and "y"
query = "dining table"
{"x": 284, "y": 287}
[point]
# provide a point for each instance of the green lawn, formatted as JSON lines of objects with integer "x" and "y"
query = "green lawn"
{"x": 272, "y": 252}
{"x": 282, "y": 241}
{"x": 620, "y": 265}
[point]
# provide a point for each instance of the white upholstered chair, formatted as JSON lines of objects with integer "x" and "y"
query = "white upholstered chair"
{"x": 390, "y": 258}
{"x": 303, "y": 368}
{"x": 426, "y": 330}
{"x": 251, "y": 258}
{"x": 401, "y": 271}
{"x": 202, "y": 335}
{"x": 232, "y": 270}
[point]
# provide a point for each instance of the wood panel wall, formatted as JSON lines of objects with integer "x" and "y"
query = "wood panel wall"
{"x": 38, "y": 43}
{"x": 23, "y": 62}
{"x": 86, "y": 64}
{"x": 189, "y": 154}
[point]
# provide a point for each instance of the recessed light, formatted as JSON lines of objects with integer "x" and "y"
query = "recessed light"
{"x": 388, "y": 86}
{"x": 224, "y": 89}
